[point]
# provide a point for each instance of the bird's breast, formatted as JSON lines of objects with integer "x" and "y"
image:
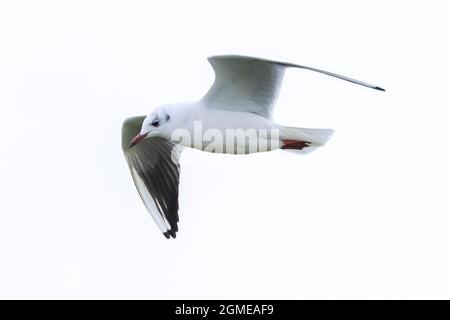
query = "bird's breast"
{"x": 220, "y": 131}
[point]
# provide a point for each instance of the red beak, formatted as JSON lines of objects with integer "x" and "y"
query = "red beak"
{"x": 136, "y": 139}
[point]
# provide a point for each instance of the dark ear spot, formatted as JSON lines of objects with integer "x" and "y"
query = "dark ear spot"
{"x": 167, "y": 117}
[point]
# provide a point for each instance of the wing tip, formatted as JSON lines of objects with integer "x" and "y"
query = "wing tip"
{"x": 170, "y": 233}
{"x": 379, "y": 88}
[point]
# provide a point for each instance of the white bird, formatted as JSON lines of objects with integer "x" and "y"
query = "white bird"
{"x": 241, "y": 101}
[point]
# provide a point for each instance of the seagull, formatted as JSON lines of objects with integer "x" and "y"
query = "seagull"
{"x": 240, "y": 102}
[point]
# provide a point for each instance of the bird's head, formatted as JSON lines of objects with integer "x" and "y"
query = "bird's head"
{"x": 152, "y": 126}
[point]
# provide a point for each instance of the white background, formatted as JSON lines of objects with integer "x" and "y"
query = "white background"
{"x": 367, "y": 216}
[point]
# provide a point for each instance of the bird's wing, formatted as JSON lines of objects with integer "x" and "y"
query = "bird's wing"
{"x": 154, "y": 166}
{"x": 252, "y": 84}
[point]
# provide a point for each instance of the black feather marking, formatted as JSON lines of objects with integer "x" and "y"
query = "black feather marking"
{"x": 152, "y": 160}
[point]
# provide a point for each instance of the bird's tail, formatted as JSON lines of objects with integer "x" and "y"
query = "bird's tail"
{"x": 304, "y": 139}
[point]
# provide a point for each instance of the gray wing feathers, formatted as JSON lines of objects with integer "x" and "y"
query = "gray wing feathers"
{"x": 361, "y": 83}
{"x": 154, "y": 166}
{"x": 244, "y": 84}
{"x": 252, "y": 84}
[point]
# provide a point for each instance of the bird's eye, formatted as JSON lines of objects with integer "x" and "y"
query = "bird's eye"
{"x": 155, "y": 123}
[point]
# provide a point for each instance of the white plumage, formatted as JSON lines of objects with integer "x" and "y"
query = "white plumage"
{"x": 235, "y": 116}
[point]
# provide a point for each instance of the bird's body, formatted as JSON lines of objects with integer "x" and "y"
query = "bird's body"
{"x": 235, "y": 116}
{"x": 206, "y": 126}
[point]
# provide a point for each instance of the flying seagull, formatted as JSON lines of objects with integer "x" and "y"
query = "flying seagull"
{"x": 241, "y": 100}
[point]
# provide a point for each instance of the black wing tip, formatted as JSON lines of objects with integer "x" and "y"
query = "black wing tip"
{"x": 170, "y": 233}
{"x": 379, "y": 88}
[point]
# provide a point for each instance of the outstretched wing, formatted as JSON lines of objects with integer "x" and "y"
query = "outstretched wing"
{"x": 154, "y": 166}
{"x": 252, "y": 84}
